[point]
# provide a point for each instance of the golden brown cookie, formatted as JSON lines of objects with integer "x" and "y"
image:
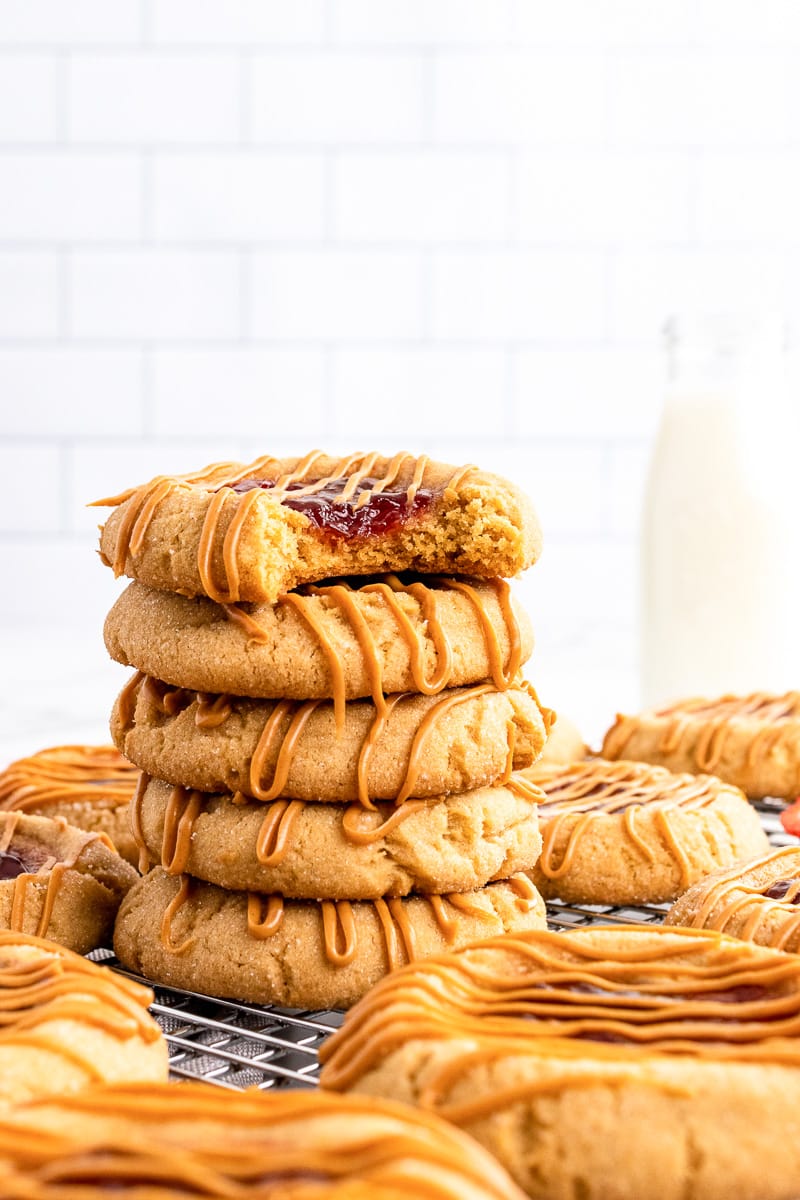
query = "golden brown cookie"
{"x": 343, "y": 640}
{"x": 751, "y": 741}
{"x": 412, "y": 746}
{"x": 564, "y": 743}
{"x": 66, "y": 1023}
{"x": 629, "y": 833}
{"x": 300, "y": 954}
{"x": 236, "y": 531}
{"x": 341, "y": 852}
{"x": 89, "y": 786}
{"x": 177, "y": 1141}
{"x": 59, "y": 882}
{"x": 755, "y": 900}
{"x": 633, "y": 1062}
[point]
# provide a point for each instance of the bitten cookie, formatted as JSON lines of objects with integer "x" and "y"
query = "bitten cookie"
{"x": 411, "y": 746}
{"x": 66, "y": 1023}
{"x": 629, "y": 833}
{"x": 300, "y": 954}
{"x": 340, "y": 852}
{"x": 236, "y": 531}
{"x": 59, "y": 882}
{"x": 637, "y": 1063}
{"x": 89, "y": 786}
{"x": 756, "y": 900}
{"x": 751, "y": 741}
{"x": 342, "y": 641}
{"x": 176, "y": 1141}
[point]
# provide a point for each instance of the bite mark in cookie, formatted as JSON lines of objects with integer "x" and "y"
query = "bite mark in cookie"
{"x": 197, "y": 534}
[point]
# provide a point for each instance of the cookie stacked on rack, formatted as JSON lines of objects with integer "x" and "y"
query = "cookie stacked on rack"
{"x": 328, "y": 741}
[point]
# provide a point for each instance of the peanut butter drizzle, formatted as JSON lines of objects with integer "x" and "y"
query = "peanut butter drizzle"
{"x": 727, "y": 893}
{"x": 390, "y": 587}
{"x": 136, "y": 823}
{"x": 53, "y": 871}
{"x": 288, "y": 744}
{"x": 264, "y": 915}
{"x": 329, "y": 650}
{"x": 277, "y": 1148}
{"x": 712, "y": 721}
{"x": 60, "y": 985}
{"x": 126, "y": 701}
{"x": 577, "y": 794}
{"x": 212, "y": 711}
{"x": 64, "y": 774}
{"x": 284, "y": 737}
{"x": 219, "y": 479}
{"x": 564, "y": 996}
{"x": 340, "y": 937}
{"x": 353, "y": 818}
{"x": 252, "y": 629}
{"x": 183, "y": 808}
{"x": 183, "y": 894}
{"x": 416, "y": 758}
{"x": 166, "y": 699}
{"x": 274, "y": 840}
{"x": 339, "y": 932}
{"x": 275, "y": 835}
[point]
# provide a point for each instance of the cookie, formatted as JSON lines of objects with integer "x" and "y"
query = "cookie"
{"x": 300, "y": 954}
{"x": 751, "y": 741}
{"x": 59, "y": 882}
{"x": 340, "y": 641}
{"x": 412, "y": 746}
{"x": 633, "y": 1062}
{"x": 629, "y": 833}
{"x": 564, "y": 743}
{"x": 756, "y": 900}
{"x": 66, "y": 1023}
{"x": 193, "y": 1139}
{"x": 340, "y": 852}
{"x": 89, "y": 786}
{"x": 237, "y": 531}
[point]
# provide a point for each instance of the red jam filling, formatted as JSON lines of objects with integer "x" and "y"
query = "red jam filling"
{"x": 11, "y": 865}
{"x": 382, "y": 513}
{"x": 779, "y": 888}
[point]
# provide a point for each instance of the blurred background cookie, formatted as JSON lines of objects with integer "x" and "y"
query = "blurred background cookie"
{"x": 65, "y": 1023}
{"x": 644, "y": 1061}
{"x": 59, "y": 882}
{"x": 176, "y": 1141}
{"x": 89, "y": 786}
{"x": 750, "y": 741}
{"x": 757, "y": 900}
{"x": 630, "y": 833}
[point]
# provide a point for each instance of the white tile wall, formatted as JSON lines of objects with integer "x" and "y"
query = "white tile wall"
{"x": 454, "y": 225}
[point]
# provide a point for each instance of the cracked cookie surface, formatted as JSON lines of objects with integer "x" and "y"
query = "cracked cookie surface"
{"x": 341, "y": 852}
{"x": 295, "y": 953}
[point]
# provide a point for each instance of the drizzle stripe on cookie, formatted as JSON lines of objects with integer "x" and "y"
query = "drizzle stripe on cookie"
{"x": 575, "y": 997}
{"x": 65, "y": 774}
{"x": 578, "y": 793}
{"x": 220, "y": 480}
{"x": 339, "y": 933}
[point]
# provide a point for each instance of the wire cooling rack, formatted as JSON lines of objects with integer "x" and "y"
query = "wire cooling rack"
{"x": 244, "y": 1045}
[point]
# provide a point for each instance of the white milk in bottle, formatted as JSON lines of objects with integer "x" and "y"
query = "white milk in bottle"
{"x": 720, "y": 553}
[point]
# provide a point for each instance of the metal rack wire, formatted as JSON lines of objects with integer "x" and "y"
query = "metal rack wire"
{"x": 238, "y": 1045}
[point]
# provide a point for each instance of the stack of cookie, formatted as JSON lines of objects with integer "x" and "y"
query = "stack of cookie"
{"x": 328, "y": 744}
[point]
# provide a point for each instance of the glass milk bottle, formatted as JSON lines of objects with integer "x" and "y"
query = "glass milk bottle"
{"x": 720, "y": 552}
